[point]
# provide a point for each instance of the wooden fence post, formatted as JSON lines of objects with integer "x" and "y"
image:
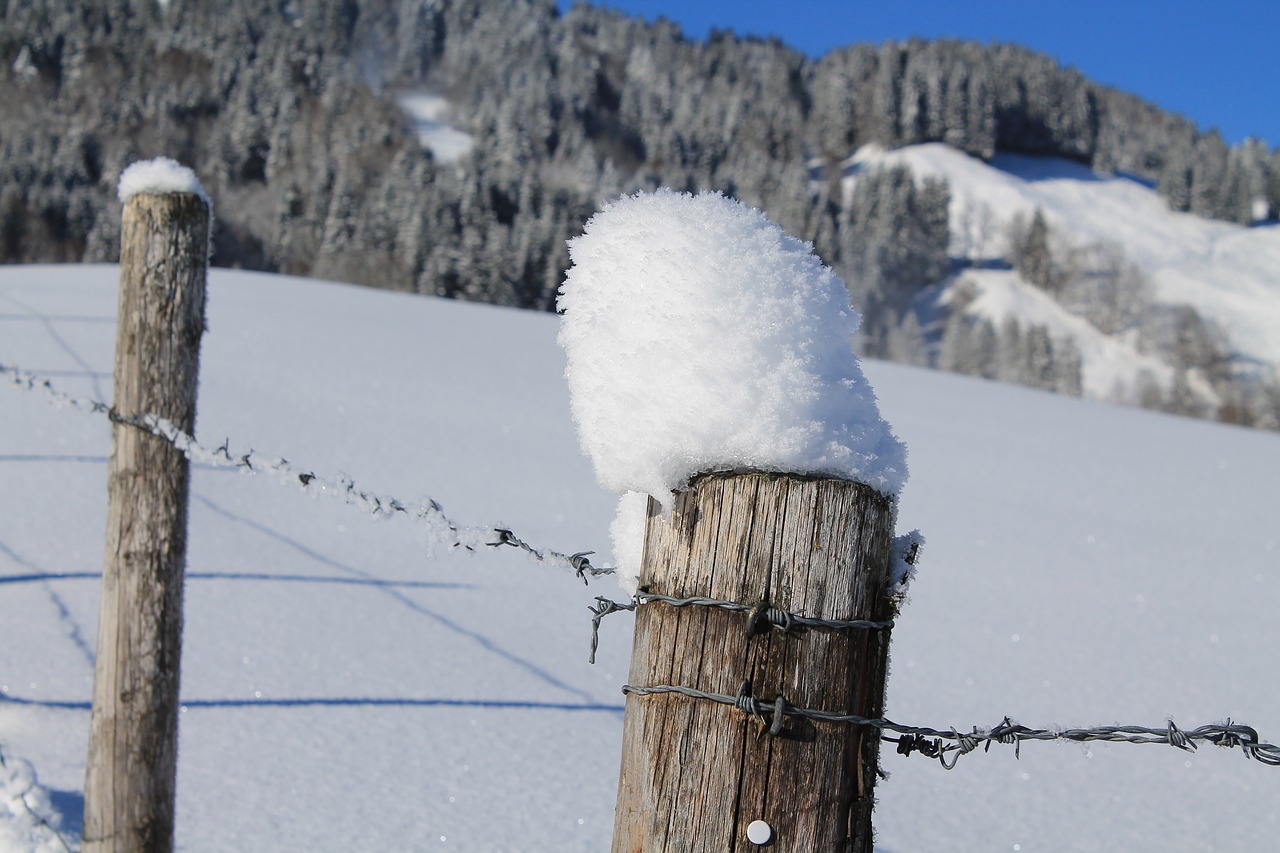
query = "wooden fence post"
{"x": 133, "y": 732}
{"x": 696, "y": 774}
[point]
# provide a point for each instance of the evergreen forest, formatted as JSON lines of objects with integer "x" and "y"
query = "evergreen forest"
{"x": 290, "y": 113}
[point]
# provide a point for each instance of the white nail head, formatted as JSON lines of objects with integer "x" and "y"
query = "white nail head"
{"x": 759, "y": 832}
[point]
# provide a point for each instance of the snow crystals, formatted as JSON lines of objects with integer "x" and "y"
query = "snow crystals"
{"x": 162, "y": 176}
{"x": 700, "y": 337}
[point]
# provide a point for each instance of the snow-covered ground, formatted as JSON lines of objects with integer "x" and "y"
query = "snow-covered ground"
{"x": 346, "y": 689}
{"x": 1229, "y": 273}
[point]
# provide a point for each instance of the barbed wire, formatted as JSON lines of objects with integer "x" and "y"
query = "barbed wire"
{"x": 761, "y": 616}
{"x": 927, "y": 741}
{"x": 427, "y": 511}
{"x": 930, "y": 741}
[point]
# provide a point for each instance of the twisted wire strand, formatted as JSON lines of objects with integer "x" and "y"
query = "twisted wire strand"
{"x": 931, "y": 742}
{"x": 761, "y": 616}
{"x": 764, "y": 616}
{"x": 341, "y": 487}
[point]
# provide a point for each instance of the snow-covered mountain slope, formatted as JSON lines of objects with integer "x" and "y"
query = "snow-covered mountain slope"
{"x": 1228, "y": 273}
{"x": 346, "y": 689}
{"x": 1110, "y": 364}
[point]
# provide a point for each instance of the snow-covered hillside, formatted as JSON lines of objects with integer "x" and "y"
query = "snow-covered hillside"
{"x": 346, "y": 689}
{"x": 1228, "y": 273}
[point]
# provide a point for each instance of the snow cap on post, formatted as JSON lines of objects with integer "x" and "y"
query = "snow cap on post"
{"x": 162, "y": 176}
{"x": 701, "y": 337}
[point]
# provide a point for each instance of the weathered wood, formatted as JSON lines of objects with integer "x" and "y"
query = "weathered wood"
{"x": 695, "y": 774}
{"x": 133, "y": 731}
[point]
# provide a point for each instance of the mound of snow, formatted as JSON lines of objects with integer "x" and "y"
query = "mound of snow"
{"x": 162, "y": 176}
{"x": 700, "y": 337}
{"x": 23, "y": 805}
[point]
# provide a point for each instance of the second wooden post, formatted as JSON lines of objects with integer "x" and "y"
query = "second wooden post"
{"x": 133, "y": 730}
{"x": 696, "y": 774}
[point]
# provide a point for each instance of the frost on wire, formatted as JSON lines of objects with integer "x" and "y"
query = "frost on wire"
{"x": 701, "y": 337}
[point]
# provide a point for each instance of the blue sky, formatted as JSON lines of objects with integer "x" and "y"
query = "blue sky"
{"x": 1216, "y": 62}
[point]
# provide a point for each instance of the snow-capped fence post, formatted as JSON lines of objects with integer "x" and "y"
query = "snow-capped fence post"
{"x": 696, "y": 775}
{"x": 132, "y": 762}
{"x": 710, "y": 367}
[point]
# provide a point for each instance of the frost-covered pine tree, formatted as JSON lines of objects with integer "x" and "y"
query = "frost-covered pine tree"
{"x": 1033, "y": 254}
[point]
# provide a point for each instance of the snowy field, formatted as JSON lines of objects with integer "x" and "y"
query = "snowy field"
{"x": 346, "y": 689}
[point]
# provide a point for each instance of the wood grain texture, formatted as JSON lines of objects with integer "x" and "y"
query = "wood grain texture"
{"x": 132, "y": 763}
{"x": 695, "y": 774}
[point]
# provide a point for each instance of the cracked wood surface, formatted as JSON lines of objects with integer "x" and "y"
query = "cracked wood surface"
{"x": 696, "y": 774}
{"x": 132, "y": 763}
